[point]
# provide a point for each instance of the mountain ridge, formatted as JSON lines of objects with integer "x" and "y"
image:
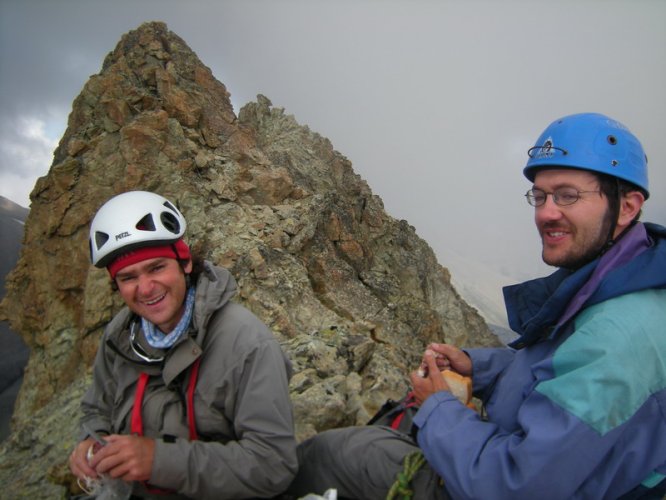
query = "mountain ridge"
{"x": 352, "y": 294}
{"x": 11, "y": 209}
{"x": 14, "y": 351}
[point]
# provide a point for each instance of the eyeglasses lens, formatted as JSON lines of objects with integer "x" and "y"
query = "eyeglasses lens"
{"x": 562, "y": 196}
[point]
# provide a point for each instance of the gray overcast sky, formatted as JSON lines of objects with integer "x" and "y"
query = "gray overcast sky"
{"x": 434, "y": 102}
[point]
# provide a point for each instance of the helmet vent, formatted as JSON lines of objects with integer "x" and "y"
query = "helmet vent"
{"x": 170, "y": 222}
{"x": 168, "y": 204}
{"x": 100, "y": 239}
{"x": 612, "y": 140}
{"x": 146, "y": 224}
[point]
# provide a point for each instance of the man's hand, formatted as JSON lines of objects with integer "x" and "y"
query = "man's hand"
{"x": 78, "y": 460}
{"x": 129, "y": 458}
{"x": 423, "y": 387}
{"x": 448, "y": 357}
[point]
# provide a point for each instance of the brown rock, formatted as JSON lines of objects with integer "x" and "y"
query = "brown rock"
{"x": 352, "y": 294}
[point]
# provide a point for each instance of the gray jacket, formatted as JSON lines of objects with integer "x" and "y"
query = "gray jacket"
{"x": 246, "y": 445}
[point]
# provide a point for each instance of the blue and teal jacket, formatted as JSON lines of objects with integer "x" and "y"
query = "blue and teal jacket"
{"x": 576, "y": 407}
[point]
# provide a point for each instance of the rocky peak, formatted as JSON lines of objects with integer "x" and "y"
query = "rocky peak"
{"x": 352, "y": 294}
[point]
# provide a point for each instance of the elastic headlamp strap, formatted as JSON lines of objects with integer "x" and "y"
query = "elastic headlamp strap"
{"x": 615, "y": 214}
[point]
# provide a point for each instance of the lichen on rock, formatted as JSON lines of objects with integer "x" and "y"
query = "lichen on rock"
{"x": 352, "y": 294}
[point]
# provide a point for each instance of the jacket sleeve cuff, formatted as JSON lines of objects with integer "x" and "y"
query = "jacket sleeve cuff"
{"x": 487, "y": 363}
{"x": 97, "y": 424}
{"x": 430, "y": 404}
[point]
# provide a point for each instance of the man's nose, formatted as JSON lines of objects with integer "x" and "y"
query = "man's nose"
{"x": 144, "y": 283}
{"x": 549, "y": 210}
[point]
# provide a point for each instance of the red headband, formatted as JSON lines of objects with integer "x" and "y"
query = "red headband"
{"x": 178, "y": 250}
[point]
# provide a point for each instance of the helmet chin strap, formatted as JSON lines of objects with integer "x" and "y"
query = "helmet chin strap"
{"x": 615, "y": 215}
{"x": 610, "y": 241}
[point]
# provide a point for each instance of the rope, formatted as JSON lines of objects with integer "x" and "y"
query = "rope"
{"x": 401, "y": 487}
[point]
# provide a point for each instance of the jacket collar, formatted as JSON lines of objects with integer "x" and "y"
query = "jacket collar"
{"x": 538, "y": 308}
{"x": 177, "y": 359}
{"x": 215, "y": 288}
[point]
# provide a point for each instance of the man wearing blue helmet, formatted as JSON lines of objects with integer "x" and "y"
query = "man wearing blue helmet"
{"x": 576, "y": 406}
{"x": 602, "y": 150}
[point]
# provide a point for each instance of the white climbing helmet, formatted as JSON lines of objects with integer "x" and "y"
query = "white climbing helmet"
{"x": 132, "y": 220}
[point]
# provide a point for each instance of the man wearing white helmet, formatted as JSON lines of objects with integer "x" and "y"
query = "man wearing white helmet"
{"x": 190, "y": 390}
{"x": 576, "y": 406}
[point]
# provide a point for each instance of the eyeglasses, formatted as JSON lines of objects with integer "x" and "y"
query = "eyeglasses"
{"x": 562, "y": 196}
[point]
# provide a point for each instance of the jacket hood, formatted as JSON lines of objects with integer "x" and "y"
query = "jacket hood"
{"x": 215, "y": 287}
{"x": 534, "y": 308}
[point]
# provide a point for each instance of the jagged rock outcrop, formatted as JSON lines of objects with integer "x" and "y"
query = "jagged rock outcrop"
{"x": 352, "y": 294}
{"x": 14, "y": 351}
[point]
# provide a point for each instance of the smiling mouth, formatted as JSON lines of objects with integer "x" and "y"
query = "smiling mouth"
{"x": 556, "y": 234}
{"x": 154, "y": 301}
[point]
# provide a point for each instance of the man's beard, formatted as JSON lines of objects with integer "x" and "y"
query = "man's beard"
{"x": 592, "y": 250}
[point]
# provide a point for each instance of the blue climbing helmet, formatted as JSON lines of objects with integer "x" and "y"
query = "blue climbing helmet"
{"x": 590, "y": 141}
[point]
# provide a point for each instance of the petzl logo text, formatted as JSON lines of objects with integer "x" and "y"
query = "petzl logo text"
{"x": 122, "y": 235}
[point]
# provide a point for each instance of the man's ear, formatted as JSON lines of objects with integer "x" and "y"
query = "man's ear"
{"x": 630, "y": 206}
{"x": 187, "y": 267}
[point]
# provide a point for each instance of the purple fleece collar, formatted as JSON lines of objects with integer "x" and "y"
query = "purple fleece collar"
{"x": 633, "y": 243}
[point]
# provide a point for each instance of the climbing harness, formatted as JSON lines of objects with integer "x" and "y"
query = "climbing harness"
{"x": 136, "y": 422}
